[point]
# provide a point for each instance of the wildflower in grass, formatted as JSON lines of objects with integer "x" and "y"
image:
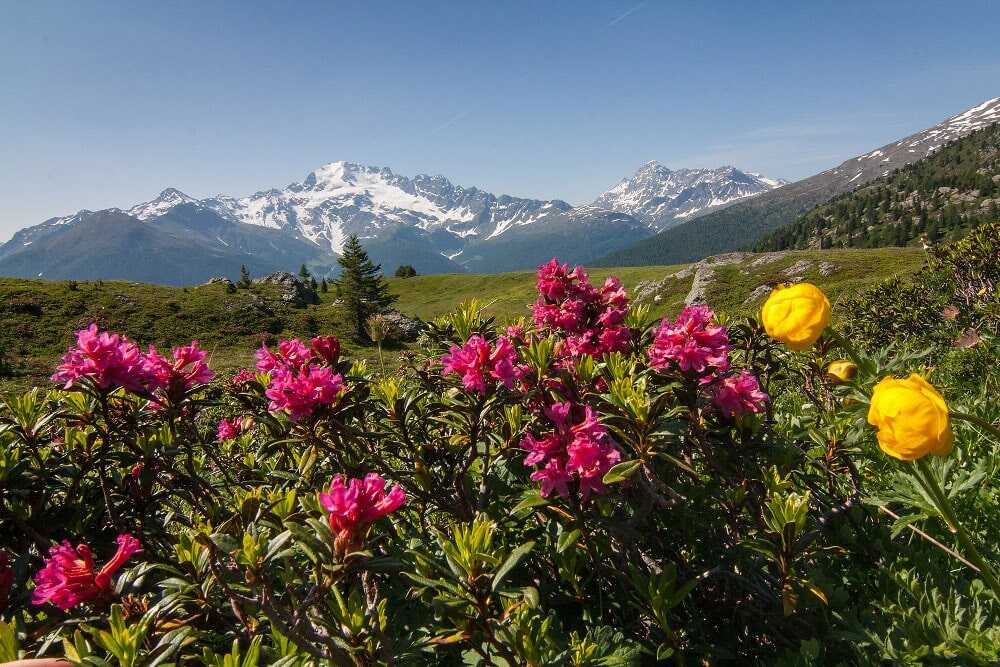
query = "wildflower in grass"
{"x": 911, "y": 417}
{"x": 578, "y": 447}
{"x": 355, "y": 504}
{"x": 476, "y": 361}
{"x": 230, "y": 428}
{"x": 300, "y": 392}
{"x": 108, "y": 360}
{"x": 6, "y": 578}
{"x": 226, "y": 430}
{"x": 69, "y": 578}
{"x": 242, "y": 376}
{"x": 796, "y": 315}
{"x": 693, "y": 343}
{"x": 738, "y": 394}
{"x": 841, "y": 371}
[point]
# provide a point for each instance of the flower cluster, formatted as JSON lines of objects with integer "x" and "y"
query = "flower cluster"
{"x": 699, "y": 347}
{"x": 69, "y": 579}
{"x": 230, "y": 428}
{"x": 301, "y": 379}
{"x": 591, "y": 319}
{"x": 111, "y": 361}
{"x": 477, "y": 360}
{"x": 737, "y": 394}
{"x": 108, "y": 360}
{"x": 186, "y": 369}
{"x": 355, "y": 504}
{"x": 693, "y": 343}
{"x": 579, "y": 447}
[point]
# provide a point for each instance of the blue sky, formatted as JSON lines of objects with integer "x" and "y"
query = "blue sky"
{"x": 105, "y": 104}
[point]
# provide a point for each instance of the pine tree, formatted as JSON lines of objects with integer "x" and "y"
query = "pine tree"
{"x": 244, "y": 277}
{"x": 323, "y": 287}
{"x": 304, "y": 274}
{"x": 361, "y": 287}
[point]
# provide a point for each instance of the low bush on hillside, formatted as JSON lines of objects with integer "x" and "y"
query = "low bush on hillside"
{"x": 590, "y": 487}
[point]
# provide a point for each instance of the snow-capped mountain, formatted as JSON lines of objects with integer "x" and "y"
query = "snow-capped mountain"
{"x": 879, "y": 162}
{"x": 663, "y": 197}
{"x": 343, "y": 198}
{"x": 165, "y": 201}
{"x": 743, "y": 223}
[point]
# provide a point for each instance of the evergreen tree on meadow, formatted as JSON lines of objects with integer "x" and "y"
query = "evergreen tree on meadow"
{"x": 304, "y": 274}
{"x": 244, "y": 277}
{"x": 323, "y": 287}
{"x": 361, "y": 287}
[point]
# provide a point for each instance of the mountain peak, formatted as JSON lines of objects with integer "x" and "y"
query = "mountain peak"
{"x": 662, "y": 197}
{"x": 167, "y": 199}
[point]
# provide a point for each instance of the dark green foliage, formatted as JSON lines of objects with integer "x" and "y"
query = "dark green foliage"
{"x": 361, "y": 287}
{"x": 941, "y": 197}
{"x": 323, "y": 287}
{"x": 405, "y": 271}
{"x": 245, "y": 280}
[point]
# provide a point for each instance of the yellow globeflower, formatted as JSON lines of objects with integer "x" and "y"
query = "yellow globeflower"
{"x": 796, "y": 314}
{"x": 842, "y": 371}
{"x": 911, "y": 418}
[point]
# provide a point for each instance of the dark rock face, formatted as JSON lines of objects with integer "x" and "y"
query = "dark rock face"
{"x": 405, "y": 328}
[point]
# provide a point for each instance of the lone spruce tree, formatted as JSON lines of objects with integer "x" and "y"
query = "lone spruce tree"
{"x": 361, "y": 287}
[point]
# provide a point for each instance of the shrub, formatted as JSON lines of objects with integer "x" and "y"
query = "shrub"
{"x": 590, "y": 488}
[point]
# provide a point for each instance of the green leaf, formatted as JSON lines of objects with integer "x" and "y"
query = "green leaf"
{"x": 528, "y": 501}
{"x": 566, "y": 540}
{"x": 8, "y": 643}
{"x": 621, "y": 472}
{"x": 664, "y": 652}
{"x": 512, "y": 560}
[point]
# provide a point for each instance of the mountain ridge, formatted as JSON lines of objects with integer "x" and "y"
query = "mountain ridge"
{"x": 743, "y": 223}
{"x": 426, "y": 221}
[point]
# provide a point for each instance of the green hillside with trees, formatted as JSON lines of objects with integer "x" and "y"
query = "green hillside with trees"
{"x": 942, "y": 197}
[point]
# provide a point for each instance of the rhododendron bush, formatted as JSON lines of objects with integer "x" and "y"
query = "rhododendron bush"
{"x": 590, "y": 485}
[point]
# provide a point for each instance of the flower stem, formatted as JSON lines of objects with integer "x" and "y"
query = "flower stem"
{"x": 943, "y": 505}
{"x": 977, "y": 421}
{"x": 844, "y": 343}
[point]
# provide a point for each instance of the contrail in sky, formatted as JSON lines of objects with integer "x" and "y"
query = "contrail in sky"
{"x": 627, "y": 14}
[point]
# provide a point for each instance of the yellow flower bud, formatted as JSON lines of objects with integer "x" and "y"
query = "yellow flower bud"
{"x": 911, "y": 418}
{"x": 842, "y": 371}
{"x": 796, "y": 314}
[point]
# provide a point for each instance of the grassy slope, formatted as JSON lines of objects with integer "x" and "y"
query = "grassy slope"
{"x": 37, "y": 318}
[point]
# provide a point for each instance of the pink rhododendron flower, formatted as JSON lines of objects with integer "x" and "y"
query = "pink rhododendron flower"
{"x": 230, "y": 428}
{"x": 186, "y": 369}
{"x": 226, "y": 430}
{"x": 578, "y": 448}
{"x": 326, "y": 348}
{"x": 741, "y": 393}
{"x": 591, "y": 319}
{"x": 69, "y": 579}
{"x": 692, "y": 342}
{"x": 6, "y": 578}
{"x": 109, "y": 360}
{"x": 477, "y": 360}
{"x": 354, "y": 504}
{"x": 292, "y": 354}
{"x": 300, "y": 392}
{"x": 301, "y": 379}
{"x": 113, "y": 361}
{"x": 242, "y": 377}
